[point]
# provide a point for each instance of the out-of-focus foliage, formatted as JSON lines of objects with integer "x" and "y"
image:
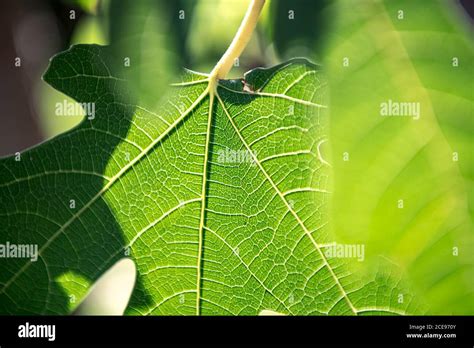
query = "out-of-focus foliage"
{"x": 381, "y": 162}
{"x": 298, "y": 27}
{"x": 88, "y": 6}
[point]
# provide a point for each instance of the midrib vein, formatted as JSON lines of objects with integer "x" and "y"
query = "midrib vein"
{"x": 290, "y": 209}
{"x": 203, "y": 202}
{"x": 107, "y": 186}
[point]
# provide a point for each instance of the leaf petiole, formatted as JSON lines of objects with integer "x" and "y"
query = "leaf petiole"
{"x": 240, "y": 41}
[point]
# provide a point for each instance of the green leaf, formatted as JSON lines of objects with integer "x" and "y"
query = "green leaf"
{"x": 219, "y": 195}
{"x": 379, "y": 160}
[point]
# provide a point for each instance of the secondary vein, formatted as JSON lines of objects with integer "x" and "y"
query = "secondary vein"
{"x": 290, "y": 209}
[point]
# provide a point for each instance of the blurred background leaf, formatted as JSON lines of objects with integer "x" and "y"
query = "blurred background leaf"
{"x": 389, "y": 159}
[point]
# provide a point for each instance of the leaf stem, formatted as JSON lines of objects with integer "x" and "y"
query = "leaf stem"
{"x": 241, "y": 39}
